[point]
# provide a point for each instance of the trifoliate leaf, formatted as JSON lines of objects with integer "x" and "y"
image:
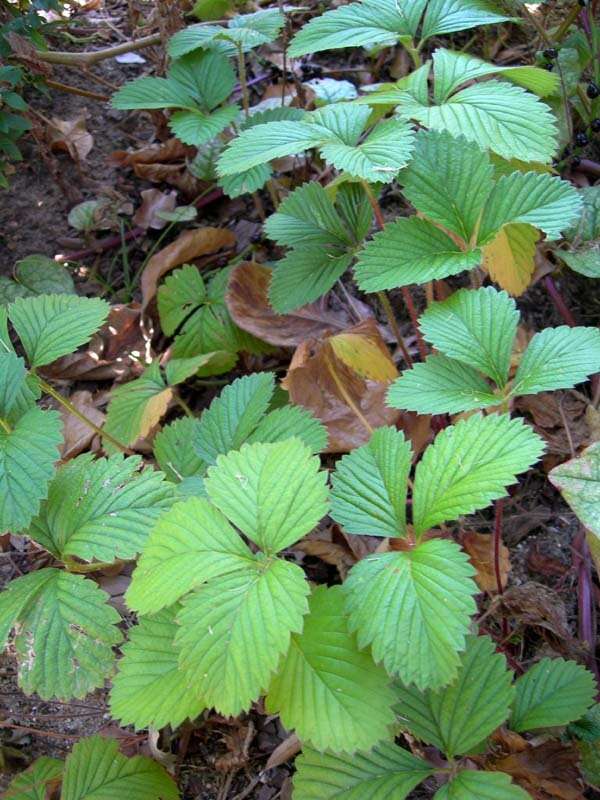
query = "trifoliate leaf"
{"x": 32, "y": 784}
{"x": 53, "y": 325}
{"x": 196, "y": 127}
{"x": 441, "y": 385}
{"x": 136, "y": 407}
{"x": 509, "y": 258}
{"x": 449, "y": 180}
{"x": 476, "y": 327}
{"x": 413, "y": 607}
{"x": 469, "y": 465}
{"x": 274, "y": 493}
{"x": 149, "y": 689}
{"x": 472, "y": 785}
{"x": 96, "y": 770}
{"x": 387, "y": 772}
{"x": 350, "y": 707}
{"x": 63, "y": 634}
{"x": 190, "y": 544}
{"x": 101, "y": 509}
{"x": 174, "y": 450}
{"x": 558, "y": 358}
{"x": 551, "y": 693}
{"x": 234, "y": 629}
{"x": 289, "y": 421}
{"x": 410, "y": 250}
{"x": 467, "y": 711}
{"x": 579, "y": 483}
{"x": 369, "y": 486}
{"x": 233, "y": 416}
{"x": 28, "y": 452}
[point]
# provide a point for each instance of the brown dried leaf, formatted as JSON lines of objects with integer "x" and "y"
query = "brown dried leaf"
{"x": 154, "y": 201}
{"x": 189, "y": 245}
{"x": 24, "y": 50}
{"x": 321, "y": 546}
{"x": 548, "y": 771}
{"x": 71, "y": 136}
{"x": 77, "y": 435}
{"x": 248, "y": 303}
{"x": 551, "y": 413}
{"x": 345, "y": 402}
{"x": 175, "y": 175}
{"x": 480, "y": 548}
{"x": 171, "y": 150}
{"x": 289, "y": 748}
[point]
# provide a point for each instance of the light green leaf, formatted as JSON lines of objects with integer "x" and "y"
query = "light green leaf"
{"x": 53, "y": 325}
{"x": 149, "y": 689}
{"x": 178, "y": 296}
{"x": 207, "y": 76}
{"x": 28, "y": 452}
{"x": 585, "y": 259}
{"x": 469, "y": 465}
{"x": 233, "y": 416}
{"x": 447, "y": 16}
{"x": 441, "y": 385}
{"x": 449, "y": 180}
{"x": 588, "y": 226}
{"x": 472, "y": 785}
{"x": 96, "y": 770}
{"x": 541, "y": 200}
{"x": 457, "y": 719}
{"x": 234, "y": 629}
{"x": 289, "y": 421}
{"x": 387, "y": 772}
{"x": 150, "y": 92}
{"x": 558, "y": 358}
{"x": 32, "y": 784}
{"x": 553, "y": 692}
{"x": 274, "y": 493}
{"x": 305, "y": 275}
{"x": 477, "y": 328}
{"x": 413, "y": 608}
{"x": 579, "y": 483}
{"x": 368, "y": 493}
{"x": 329, "y": 90}
{"x": 350, "y": 700}
{"x": 101, "y": 509}
{"x": 196, "y": 127}
{"x": 264, "y": 143}
{"x": 174, "y": 450}
{"x": 63, "y": 633}
{"x": 190, "y": 544}
{"x": 410, "y": 250}
{"x": 42, "y": 275}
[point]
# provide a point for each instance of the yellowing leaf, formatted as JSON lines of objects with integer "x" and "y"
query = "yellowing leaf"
{"x": 366, "y": 354}
{"x": 509, "y": 258}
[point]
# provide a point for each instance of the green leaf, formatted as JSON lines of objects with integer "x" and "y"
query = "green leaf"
{"x": 28, "y": 452}
{"x": 447, "y": 16}
{"x": 585, "y": 259}
{"x": 457, "y": 719}
{"x": 477, "y": 328}
{"x": 32, "y": 784}
{"x": 472, "y": 785}
{"x": 233, "y": 416}
{"x": 368, "y": 493}
{"x": 234, "y": 629}
{"x": 329, "y": 90}
{"x": 150, "y": 92}
{"x": 469, "y": 465}
{"x": 440, "y": 385}
{"x": 63, "y": 633}
{"x": 350, "y": 700}
{"x": 53, "y": 325}
{"x": 208, "y": 77}
{"x": 101, "y": 509}
{"x": 410, "y": 250}
{"x": 541, "y": 200}
{"x": 149, "y": 689}
{"x": 264, "y": 143}
{"x": 190, "y": 544}
{"x": 13, "y": 386}
{"x": 558, "y": 358}
{"x": 96, "y": 770}
{"x": 136, "y": 407}
{"x": 553, "y": 692}
{"x": 387, "y": 772}
{"x": 413, "y": 608}
{"x": 42, "y": 275}
{"x": 196, "y": 128}
{"x": 449, "y": 180}
{"x": 497, "y": 116}
{"x": 178, "y": 297}
{"x": 579, "y": 483}
{"x": 305, "y": 275}
{"x": 274, "y": 493}
{"x": 291, "y": 421}
{"x": 174, "y": 450}
{"x": 587, "y": 228}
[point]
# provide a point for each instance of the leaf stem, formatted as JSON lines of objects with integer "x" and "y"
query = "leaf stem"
{"x": 498, "y": 519}
{"x": 183, "y": 405}
{"x": 243, "y": 80}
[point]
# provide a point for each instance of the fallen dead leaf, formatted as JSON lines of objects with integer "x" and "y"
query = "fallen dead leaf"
{"x": 348, "y": 404}
{"x": 189, "y": 245}
{"x": 547, "y": 771}
{"x": 480, "y": 549}
{"x": 71, "y": 136}
{"x": 171, "y": 150}
{"x": 561, "y": 419}
{"x": 321, "y": 545}
{"x": 289, "y": 748}
{"x": 77, "y": 436}
{"x": 248, "y": 303}
{"x": 154, "y": 201}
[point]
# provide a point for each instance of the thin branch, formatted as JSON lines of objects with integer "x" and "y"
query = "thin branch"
{"x": 86, "y": 59}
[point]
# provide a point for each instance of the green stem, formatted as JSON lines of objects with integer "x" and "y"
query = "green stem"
{"x": 243, "y": 81}
{"x": 5, "y": 426}
{"x": 567, "y": 22}
{"x": 82, "y": 569}
{"x": 183, "y": 405}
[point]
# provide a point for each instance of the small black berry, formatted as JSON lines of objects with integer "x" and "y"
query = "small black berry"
{"x": 550, "y": 53}
{"x": 566, "y": 152}
{"x": 549, "y": 67}
{"x": 581, "y": 139}
{"x": 595, "y": 125}
{"x": 575, "y": 161}
{"x": 592, "y": 90}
